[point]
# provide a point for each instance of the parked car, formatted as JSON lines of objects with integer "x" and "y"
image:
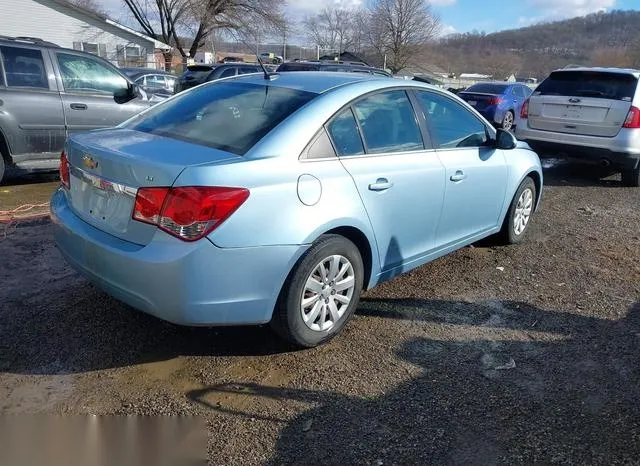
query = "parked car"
{"x": 498, "y": 102}
{"x": 48, "y": 92}
{"x": 590, "y": 114}
{"x": 198, "y": 74}
{"x": 154, "y": 82}
{"x": 246, "y": 201}
{"x": 331, "y": 66}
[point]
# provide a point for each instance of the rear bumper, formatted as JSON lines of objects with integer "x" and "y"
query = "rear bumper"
{"x": 184, "y": 283}
{"x": 621, "y": 151}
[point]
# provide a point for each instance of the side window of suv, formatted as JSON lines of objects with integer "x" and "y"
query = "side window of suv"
{"x": 86, "y": 75}
{"x": 24, "y": 67}
{"x": 451, "y": 125}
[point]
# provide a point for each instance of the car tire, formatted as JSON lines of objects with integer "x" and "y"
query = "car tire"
{"x": 631, "y": 177}
{"x": 508, "y": 121}
{"x": 322, "y": 314}
{"x": 518, "y": 218}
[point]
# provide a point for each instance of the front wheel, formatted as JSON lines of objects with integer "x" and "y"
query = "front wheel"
{"x": 507, "y": 121}
{"x": 631, "y": 177}
{"x": 321, "y": 293}
{"x": 520, "y": 211}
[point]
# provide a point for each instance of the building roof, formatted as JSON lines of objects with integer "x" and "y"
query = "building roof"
{"x": 97, "y": 16}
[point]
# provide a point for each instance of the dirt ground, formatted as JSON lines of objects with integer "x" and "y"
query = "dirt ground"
{"x": 493, "y": 355}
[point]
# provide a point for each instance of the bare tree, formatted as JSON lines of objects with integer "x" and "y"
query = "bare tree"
{"x": 332, "y": 28}
{"x": 168, "y": 20}
{"x": 397, "y": 29}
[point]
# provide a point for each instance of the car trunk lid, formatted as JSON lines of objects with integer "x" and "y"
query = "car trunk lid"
{"x": 108, "y": 167}
{"x": 480, "y": 101}
{"x": 582, "y": 102}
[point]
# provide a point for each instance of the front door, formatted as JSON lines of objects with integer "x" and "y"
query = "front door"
{"x": 476, "y": 172}
{"x": 401, "y": 184}
{"x": 88, "y": 93}
{"x": 31, "y": 113}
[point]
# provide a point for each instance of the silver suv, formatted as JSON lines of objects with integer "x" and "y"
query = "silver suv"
{"x": 587, "y": 113}
{"x": 47, "y": 92}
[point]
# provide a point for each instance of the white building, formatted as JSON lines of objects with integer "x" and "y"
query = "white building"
{"x": 73, "y": 27}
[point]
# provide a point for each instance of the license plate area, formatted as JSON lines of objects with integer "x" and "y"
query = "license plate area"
{"x": 101, "y": 202}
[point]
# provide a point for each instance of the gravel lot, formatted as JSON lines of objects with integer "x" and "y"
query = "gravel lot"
{"x": 492, "y": 355}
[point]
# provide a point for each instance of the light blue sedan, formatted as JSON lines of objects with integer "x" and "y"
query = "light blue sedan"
{"x": 280, "y": 199}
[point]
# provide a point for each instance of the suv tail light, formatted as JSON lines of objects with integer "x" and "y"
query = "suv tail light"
{"x": 633, "y": 119}
{"x": 188, "y": 213}
{"x": 64, "y": 170}
{"x": 494, "y": 100}
{"x": 524, "y": 111}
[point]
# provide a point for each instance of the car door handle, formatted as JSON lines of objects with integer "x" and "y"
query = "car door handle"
{"x": 458, "y": 176}
{"x": 381, "y": 184}
{"x": 78, "y": 106}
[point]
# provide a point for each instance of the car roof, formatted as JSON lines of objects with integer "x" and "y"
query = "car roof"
{"x": 599, "y": 69}
{"x": 321, "y": 81}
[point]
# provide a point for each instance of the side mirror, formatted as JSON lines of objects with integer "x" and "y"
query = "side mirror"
{"x": 505, "y": 140}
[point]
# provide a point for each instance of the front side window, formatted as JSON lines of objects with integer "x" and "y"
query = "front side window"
{"x": 388, "y": 123}
{"x": 230, "y": 116}
{"x": 85, "y": 75}
{"x": 451, "y": 125}
{"x": 345, "y": 134}
{"x": 24, "y": 67}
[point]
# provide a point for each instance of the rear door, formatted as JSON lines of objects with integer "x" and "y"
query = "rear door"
{"x": 88, "y": 85}
{"x": 476, "y": 172}
{"x": 380, "y": 143}
{"x": 592, "y": 103}
{"x": 31, "y": 115}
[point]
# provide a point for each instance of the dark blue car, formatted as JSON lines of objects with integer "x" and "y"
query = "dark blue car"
{"x": 497, "y": 102}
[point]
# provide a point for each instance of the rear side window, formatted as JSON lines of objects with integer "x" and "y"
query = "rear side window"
{"x": 229, "y": 116}
{"x": 345, "y": 135}
{"x": 24, "y": 67}
{"x": 518, "y": 91}
{"x": 614, "y": 86}
{"x": 198, "y": 73}
{"x": 227, "y": 73}
{"x": 388, "y": 123}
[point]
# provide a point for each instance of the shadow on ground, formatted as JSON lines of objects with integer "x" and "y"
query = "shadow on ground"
{"x": 516, "y": 384}
{"x": 560, "y": 172}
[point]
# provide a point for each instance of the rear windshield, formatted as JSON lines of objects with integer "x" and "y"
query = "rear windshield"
{"x": 229, "y": 116}
{"x": 487, "y": 88}
{"x": 614, "y": 86}
{"x": 298, "y": 67}
{"x": 198, "y": 73}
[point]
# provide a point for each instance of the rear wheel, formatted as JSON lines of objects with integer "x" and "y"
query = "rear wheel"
{"x": 631, "y": 177}
{"x": 321, "y": 293}
{"x": 507, "y": 121}
{"x": 521, "y": 209}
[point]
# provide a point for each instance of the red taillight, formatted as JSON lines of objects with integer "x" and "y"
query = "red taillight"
{"x": 633, "y": 119}
{"x": 149, "y": 204}
{"x": 188, "y": 213}
{"x": 64, "y": 170}
{"x": 524, "y": 111}
{"x": 494, "y": 100}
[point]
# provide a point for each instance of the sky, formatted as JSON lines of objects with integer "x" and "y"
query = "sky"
{"x": 461, "y": 15}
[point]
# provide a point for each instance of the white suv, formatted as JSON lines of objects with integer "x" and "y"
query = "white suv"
{"x": 587, "y": 113}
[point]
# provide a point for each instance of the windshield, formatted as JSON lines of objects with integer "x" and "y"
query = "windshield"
{"x": 229, "y": 116}
{"x": 615, "y": 86}
{"x": 487, "y": 88}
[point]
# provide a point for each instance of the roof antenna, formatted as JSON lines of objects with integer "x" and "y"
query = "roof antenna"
{"x": 268, "y": 76}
